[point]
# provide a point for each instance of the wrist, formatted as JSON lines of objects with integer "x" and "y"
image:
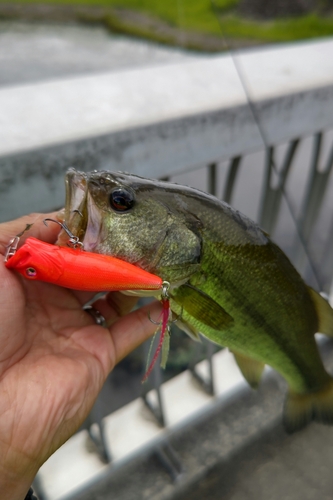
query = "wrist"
{"x": 17, "y": 491}
{"x": 15, "y": 486}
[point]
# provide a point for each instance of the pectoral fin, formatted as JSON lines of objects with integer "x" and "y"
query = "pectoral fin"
{"x": 202, "y": 307}
{"x": 189, "y": 329}
{"x": 251, "y": 369}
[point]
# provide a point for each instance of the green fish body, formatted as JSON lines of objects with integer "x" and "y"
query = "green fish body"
{"x": 229, "y": 281}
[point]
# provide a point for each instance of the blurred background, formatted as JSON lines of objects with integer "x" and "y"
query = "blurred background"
{"x": 234, "y": 97}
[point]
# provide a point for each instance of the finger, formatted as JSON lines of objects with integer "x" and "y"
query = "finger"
{"x": 46, "y": 233}
{"x": 121, "y": 303}
{"x": 84, "y": 297}
{"x": 133, "y": 329}
{"x": 114, "y": 306}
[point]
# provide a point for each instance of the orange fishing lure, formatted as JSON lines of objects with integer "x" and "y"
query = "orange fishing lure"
{"x": 72, "y": 267}
{"x": 78, "y": 269}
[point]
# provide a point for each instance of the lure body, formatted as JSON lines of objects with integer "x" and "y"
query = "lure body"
{"x": 79, "y": 270}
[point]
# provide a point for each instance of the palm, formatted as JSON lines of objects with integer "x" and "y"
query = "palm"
{"x": 53, "y": 362}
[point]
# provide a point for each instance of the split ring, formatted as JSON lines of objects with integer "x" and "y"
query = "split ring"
{"x": 96, "y": 315}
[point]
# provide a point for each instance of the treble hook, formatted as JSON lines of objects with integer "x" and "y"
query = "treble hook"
{"x": 159, "y": 323}
{"x": 74, "y": 241}
{"x": 13, "y": 243}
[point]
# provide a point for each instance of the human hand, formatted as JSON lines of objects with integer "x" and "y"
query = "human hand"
{"x": 54, "y": 360}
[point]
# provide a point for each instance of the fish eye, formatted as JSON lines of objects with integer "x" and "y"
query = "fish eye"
{"x": 122, "y": 199}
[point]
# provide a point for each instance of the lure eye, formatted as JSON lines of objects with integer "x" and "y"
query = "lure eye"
{"x": 31, "y": 272}
{"x": 122, "y": 199}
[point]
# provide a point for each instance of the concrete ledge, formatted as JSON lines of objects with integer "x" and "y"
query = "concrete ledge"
{"x": 72, "y": 467}
{"x": 208, "y": 436}
{"x": 157, "y": 121}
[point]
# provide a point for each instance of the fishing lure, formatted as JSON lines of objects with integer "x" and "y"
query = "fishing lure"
{"x": 77, "y": 269}
{"x": 72, "y": 267}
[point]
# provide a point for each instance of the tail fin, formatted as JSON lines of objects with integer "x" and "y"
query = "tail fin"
{"x": 301, "y": 409}
{"x": 324, "y": 312}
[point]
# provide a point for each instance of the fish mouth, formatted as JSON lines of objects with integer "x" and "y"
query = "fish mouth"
{"x": 82, "y": 217}
{"x": 76, "y": 210}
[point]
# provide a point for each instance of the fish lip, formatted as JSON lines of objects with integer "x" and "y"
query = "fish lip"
{"x": 81, "y": 214}
{"x": 75, "y": 216}
{"x": 93, "y": 227}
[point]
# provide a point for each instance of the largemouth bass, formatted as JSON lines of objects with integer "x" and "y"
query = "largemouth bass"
{"x": 229, "y": 281}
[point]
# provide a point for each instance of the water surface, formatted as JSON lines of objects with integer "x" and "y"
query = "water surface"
{"x": 32, "y": 52}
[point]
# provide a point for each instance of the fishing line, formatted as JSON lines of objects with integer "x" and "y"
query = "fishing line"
{"x": 262, "y": 134}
